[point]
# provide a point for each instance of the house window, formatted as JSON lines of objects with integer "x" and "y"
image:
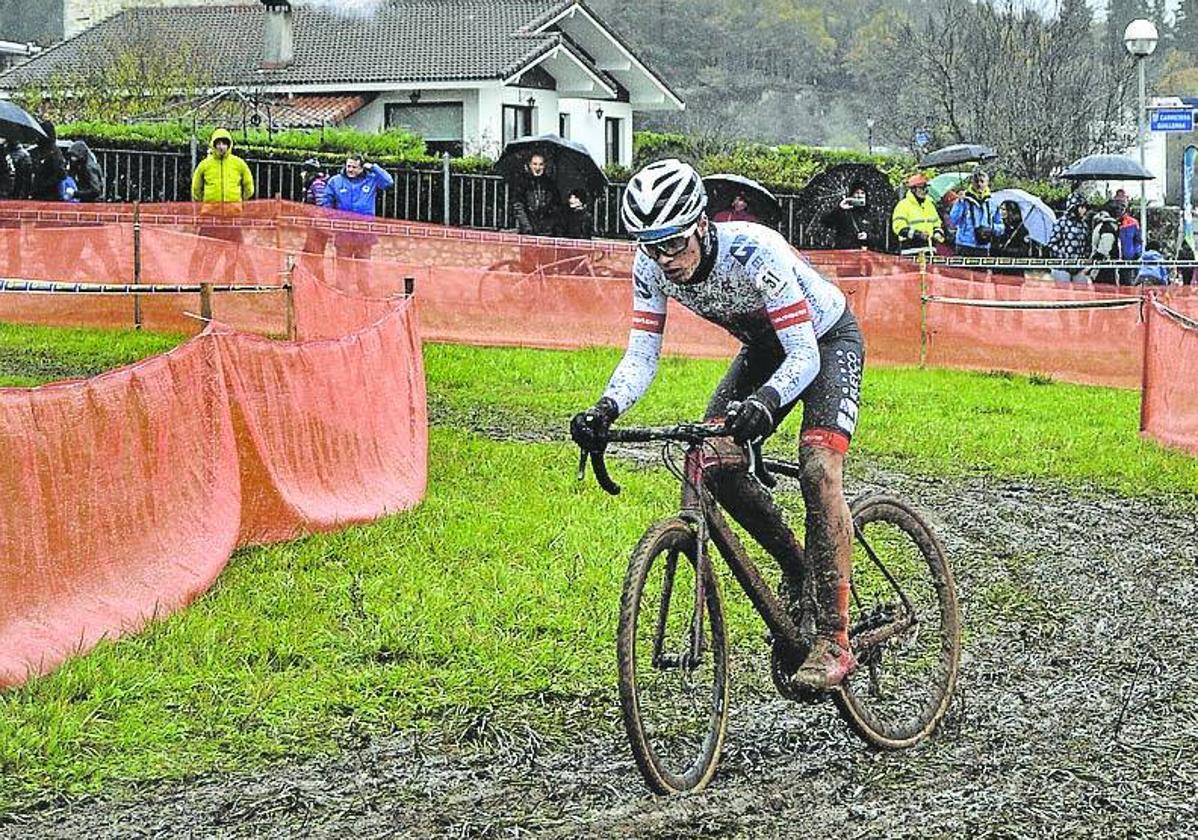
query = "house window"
{"x": 517, "y": 122}
{"x": 612, "y": 139}
{"x": 439, "y": 123}
{"x": 563, "y": 125}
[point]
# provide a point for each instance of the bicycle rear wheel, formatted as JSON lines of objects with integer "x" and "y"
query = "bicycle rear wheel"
{"x": 675, "y": 705}
{"x": 904, "y": 627}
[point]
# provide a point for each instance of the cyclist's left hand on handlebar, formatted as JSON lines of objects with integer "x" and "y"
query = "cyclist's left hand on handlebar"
{"x": 589, "y": 428}
{"x": 754, "y": 418}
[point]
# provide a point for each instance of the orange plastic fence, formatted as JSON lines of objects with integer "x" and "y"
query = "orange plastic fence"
{"x": 126, "y": 493}
{"x": 1169, "y": 403}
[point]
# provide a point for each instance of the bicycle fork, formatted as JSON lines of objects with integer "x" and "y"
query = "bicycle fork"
{"x": 692, "y": 513}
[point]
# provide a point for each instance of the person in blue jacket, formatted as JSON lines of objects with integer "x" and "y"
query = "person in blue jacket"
{"x": 354, "y": 190}
{"x": 975, "y": 219}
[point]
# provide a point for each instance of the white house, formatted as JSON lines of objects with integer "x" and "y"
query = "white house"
{"x": 467, "y": 75}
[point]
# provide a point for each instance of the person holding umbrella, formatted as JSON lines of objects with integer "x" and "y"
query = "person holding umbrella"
{"x": 976, "y": 223}
{"x": 737, "y": 211}
{"x": 849, "y": 220}
{"x": 1070, "y": 240}
{"x": 535, "y": 202}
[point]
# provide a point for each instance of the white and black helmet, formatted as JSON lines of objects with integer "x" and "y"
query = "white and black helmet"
{"x": 663, "y": 200}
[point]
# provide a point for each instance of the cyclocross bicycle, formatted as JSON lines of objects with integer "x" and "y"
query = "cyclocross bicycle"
{"x": 672, "y": 641}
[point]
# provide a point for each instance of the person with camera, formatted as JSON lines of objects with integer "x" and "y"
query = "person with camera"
{"x": 976, "y": 222}
{"x": 849, "y": 220}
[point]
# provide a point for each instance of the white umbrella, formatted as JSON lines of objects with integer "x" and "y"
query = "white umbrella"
{"x": 1038, "y": 217}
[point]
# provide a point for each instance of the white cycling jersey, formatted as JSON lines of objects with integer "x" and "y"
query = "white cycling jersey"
{"x": 756, "y": 287}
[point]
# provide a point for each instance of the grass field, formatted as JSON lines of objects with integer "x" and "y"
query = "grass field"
{"x": 502, "y": 585}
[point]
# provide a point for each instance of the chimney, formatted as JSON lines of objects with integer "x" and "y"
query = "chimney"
{"x": 278, "y": 36}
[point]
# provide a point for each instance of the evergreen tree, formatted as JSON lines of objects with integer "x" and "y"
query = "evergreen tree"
{"x": 1185, "y": 28}
{"x": 1119, "y": 14}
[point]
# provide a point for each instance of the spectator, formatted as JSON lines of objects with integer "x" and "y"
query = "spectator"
{"x": 1186, "y": 254}
{"x": 737, "y": 211}
{"x": 7, "y": 171}
{"x": 314, "y": 181}
{"x": 221, "y": 182}
{"x": 1104, "y": 242}
{"x": 535, "y": 202}
{"x": 1070, "y": 240}
{"x": 576, "y": 219}
{"x": 1013, "y": 242}
{"x": 222, "y": 177}
{"x": 1151, "y": 271}
{"x": 21, "y": 167}
{"x": 1131, "y": 240}
{"x": 68, "y": 190}
{"x": 83, "y": 167}
{"x": 355, "y": 190}
{"x": 49, "y": 167}
{"x": 973, "y": 218}
{"x": 915, "y": 220}
{"x": 849, "y": 220}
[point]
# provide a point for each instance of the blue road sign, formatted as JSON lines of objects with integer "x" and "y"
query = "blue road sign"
{"x": 1172, "y": 119}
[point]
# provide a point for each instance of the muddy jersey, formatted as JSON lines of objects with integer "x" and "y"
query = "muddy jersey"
{"x": 753, "y": 285}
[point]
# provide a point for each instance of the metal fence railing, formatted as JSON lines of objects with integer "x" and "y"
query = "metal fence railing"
{"x": 420, "y": 195}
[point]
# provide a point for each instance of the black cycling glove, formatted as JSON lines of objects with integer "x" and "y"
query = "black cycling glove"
{"x": 755, "y": 417}
{"x": 588, "y": 428}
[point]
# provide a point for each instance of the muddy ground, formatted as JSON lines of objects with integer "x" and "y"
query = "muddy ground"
{"x": 1076, "y": 716}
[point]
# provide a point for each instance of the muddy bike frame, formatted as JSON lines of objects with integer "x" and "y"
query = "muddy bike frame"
{"x": 700, "y": 508}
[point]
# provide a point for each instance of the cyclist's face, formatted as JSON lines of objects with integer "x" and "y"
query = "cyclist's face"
{"x": 678, "y": 257}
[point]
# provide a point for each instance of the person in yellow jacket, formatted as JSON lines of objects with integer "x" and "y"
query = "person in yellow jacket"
{"x": 915, "y": 219}
{"x": 222, "y": 176}
{"x": 222, "y": 181}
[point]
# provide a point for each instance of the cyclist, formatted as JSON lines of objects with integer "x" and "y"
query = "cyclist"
{"x": 799, "y": 342}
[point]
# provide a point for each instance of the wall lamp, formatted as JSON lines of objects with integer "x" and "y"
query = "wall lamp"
{"x": 414, "y": 97}
{"x": 599, "y": 113}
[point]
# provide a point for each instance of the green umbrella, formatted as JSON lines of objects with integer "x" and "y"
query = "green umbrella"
{"x": 944, "y": 182}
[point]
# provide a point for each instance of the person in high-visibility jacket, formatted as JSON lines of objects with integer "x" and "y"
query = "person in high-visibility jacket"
{"x": 222, "y": 182}
{"x": 915, "y": 219}
{"x": 222, "y": 176}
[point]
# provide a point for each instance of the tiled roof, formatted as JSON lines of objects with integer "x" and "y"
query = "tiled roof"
{"x": 307, "y": 111}
{"x": 410, "y": 41}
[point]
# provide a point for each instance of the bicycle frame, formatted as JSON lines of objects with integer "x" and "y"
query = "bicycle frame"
{"x": 699, "y": 507}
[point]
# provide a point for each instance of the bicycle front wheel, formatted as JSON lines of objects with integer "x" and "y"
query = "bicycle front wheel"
{"x": 904, "y": 626}
{"x": 673, "y": 662}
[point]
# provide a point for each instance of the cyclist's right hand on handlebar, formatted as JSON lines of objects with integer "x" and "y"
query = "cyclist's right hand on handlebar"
{"x": 589, "y": 428}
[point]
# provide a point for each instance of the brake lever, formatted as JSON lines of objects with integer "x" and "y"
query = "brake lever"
{"x": 599, "y": 467}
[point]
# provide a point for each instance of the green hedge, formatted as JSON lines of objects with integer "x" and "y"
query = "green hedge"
{"x": 786, "y": 168}
{"x": 393, "y": 146}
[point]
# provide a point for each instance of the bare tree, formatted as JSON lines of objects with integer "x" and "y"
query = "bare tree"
{"x": 1041, "y": 90}
{"x": 141, "y": 72}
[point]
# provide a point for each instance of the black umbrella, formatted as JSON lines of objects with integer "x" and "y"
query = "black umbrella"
{"x": 722, "y": 188}
{"x": 569, "y": 164}
{"x": 958, "y": 154}
{"x": 1106, "y": 168}
{"x": 17, "y": 126}
{"x": 826, "y": 190}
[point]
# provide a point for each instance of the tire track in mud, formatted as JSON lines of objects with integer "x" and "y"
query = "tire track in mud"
{"x": 1076, "y": 716}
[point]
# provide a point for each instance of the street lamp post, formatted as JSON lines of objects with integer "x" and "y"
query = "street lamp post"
{"x": 869, "y": 129}
{"x": 1140, "y": 38}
